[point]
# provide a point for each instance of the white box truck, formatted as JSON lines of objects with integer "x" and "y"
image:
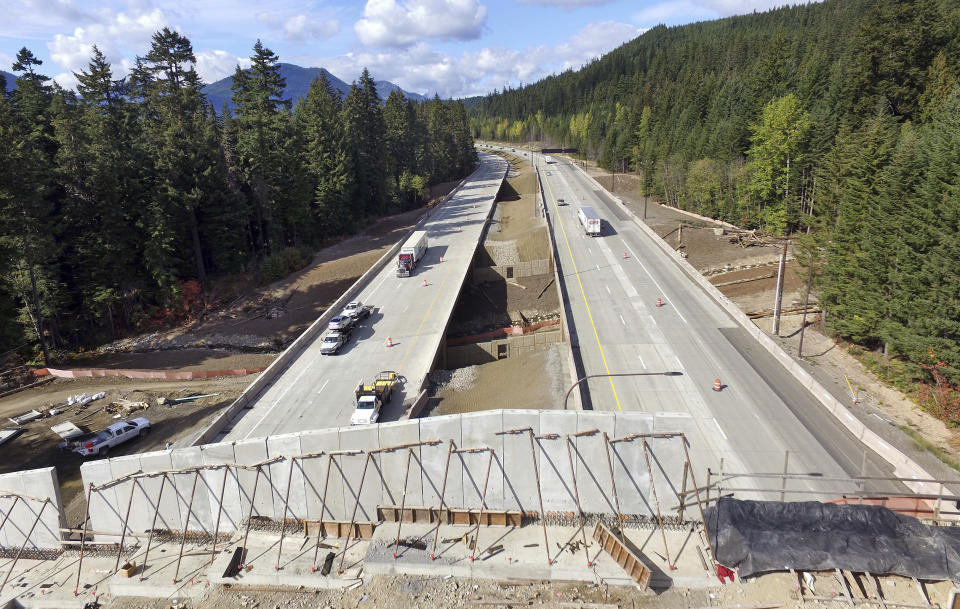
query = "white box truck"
{"x": 411, "y": 252}
{"x": 590, "y": 221}
{"x": 548, "y": 159}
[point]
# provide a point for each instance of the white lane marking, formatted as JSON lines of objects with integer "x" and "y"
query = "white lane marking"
{"x": 720, "y": 429}
{"x": 322, "y": 386}
{"x": 621, "y": 319}
{"x": 642, "y": 365}
{"x": 608, "y": 289}
{"x": 655, "y": 282}
{"x": 405, "y": 308}
{"x": 590, "y": 250}
{"x": 374, "y": 291}
{"x": 295, "y": 383}
{"x": 598, "y": 267}
{"x": 653, "y": 321}
{"x": 678, "y": 362}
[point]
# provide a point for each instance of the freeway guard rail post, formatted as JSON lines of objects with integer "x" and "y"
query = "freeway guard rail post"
{"x": 290, "y": 353}
{"x": 904, "y": 466}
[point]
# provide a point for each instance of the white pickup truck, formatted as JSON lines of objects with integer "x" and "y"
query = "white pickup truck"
{"x": 100, "y": 443}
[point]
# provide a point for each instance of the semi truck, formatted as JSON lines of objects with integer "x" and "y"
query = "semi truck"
{"x": 411, "y": 252}
{"x": 589, "y": 220}
{"x": 372, "y": 397}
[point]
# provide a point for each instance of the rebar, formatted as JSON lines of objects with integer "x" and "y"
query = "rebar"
{"x": 346, "y": 544}
{"x": 656, "y": 502}
{"x": 581, "y": 517}
{"x": 153, "y": 526}
{"x": 86, "y": 517}
{"x": 283, "y": 517}
{"x": 126, "y": 522}
{"x": 483, "y": 502}
{"x": 543, "y": 515}
{"x": 403, "y": 502}
{"x": 443, "y": 491}
{"x": 613, "y": 481}
{"x": 253, "y": 497}
{"x": 24, "y": 544}
{"x": 693, "y": 479}
{"x": 186, "y": 524}
{"x": 216, "y": 528}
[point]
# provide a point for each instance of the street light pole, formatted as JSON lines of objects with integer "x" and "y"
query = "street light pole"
{"x": 590, "y": 376}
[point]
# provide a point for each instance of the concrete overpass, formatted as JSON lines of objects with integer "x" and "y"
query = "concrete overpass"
{"x": 314, "y": 391}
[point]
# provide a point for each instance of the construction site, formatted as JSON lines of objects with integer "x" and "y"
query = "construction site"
{"x": 498, "y": 494}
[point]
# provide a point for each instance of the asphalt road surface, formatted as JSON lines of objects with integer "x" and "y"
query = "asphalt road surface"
{"x": 317, "y": 391}
{"x": 612, "y": 284}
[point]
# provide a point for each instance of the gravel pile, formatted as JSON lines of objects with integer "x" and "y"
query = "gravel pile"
{"x": 460, "y": 379}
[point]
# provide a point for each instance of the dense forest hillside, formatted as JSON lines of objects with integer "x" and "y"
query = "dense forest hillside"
{"x": 119, "y": 201}
{"x": 837, "y": 122}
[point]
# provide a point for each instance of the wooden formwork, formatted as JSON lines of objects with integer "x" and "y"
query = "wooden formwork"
{"x": 622, "y": 555}
{"x": 394, "y": 513}
{"x": 340, "y": 529}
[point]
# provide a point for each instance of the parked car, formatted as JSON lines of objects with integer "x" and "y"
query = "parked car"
{"x": 341, "y": 322}
{"x": 333, "y": 342}
{"x": 100, "y": 443}
{"x": 356, "y": 310}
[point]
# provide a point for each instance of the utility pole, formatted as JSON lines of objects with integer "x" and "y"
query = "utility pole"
{"x": 779, "y": 297}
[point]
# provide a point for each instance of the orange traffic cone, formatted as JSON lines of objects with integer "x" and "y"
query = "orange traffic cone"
{"x": 659, "y": 302}
{"x": 424, "y": 283}
{"x": 459, "y": 229}
{"x": 441, "y": 258}
{"x": 389, "y": 342}
{"x": 717, "y": 385}
{"x": 624, "y": 255}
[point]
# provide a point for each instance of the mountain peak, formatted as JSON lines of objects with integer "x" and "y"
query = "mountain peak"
{"x": 298, "y": 81}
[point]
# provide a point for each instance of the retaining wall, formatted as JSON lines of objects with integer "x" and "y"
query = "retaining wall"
{"x": 327, "y": 485}
{"x": 484, "y": 274}
{"x": 904, "y": 466}
{"x": 25, "y": 495}
{"x": 484, "y": 352}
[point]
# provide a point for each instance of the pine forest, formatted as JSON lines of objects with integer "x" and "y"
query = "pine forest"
{"x": 834, "y": 123}
{"x": 120, "y": 201}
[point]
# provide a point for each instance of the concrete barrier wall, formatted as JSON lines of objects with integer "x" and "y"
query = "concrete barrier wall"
{"x": 484, "y": 274}
{"x": 576, "y": 401}
{"x": 280, "y": 364}
{"x": 904, "y": 466}
{"x": 24, "y": 496}
{"x": 336, "y": 484}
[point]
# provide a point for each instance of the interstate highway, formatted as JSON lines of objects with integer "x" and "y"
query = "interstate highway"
{"x": 612, "y": 284}
{"x": 316, "y": 391}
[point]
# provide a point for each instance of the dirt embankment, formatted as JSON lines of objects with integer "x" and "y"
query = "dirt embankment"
{"x": 538, "y": 379}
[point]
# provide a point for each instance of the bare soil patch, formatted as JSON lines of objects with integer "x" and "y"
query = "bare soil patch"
{"x": 37, "y": 446}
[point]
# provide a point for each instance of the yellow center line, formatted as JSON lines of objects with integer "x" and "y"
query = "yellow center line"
{"x": 584, "y": 295}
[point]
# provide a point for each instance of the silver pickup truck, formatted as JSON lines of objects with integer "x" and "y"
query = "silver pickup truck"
{"x": 100, "y": 443}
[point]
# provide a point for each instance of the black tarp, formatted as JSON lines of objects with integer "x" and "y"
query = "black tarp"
{"x": 761, "y": 536}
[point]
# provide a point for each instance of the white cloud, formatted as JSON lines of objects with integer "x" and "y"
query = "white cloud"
{"x": 686, "y": 11}
{"x": 401, "y": 23}
{"x": 212, "y": 65}
{"x": 114, "y": 36}
{"x": 301, "y": 28}
{"x": 419, "y": 68}
{"x": 593, "y": 40}
{"x": 565, "y": 3}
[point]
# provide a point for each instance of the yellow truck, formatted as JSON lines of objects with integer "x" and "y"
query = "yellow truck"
{"x": 370, "y": 398}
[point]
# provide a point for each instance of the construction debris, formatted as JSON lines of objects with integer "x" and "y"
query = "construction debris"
{"x": 26, "y": 417}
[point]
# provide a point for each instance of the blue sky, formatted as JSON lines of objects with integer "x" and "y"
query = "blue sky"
{"x": 455, "y": 48}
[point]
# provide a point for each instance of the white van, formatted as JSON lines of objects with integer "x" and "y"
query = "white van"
{"x": 590, "y": 221}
